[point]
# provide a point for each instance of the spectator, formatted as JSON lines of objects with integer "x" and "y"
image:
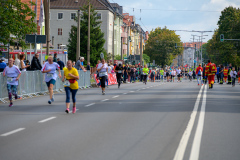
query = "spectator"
{"x": 73, "y": 64}
{"x": 28, "y": 63}
{"x": 55, "y": 57}
{"x": 3, "y": 65}
{"x": 17, "y": 60}
{"x": 60, "y": 63}
{"x": 23, "y": 67}
{"x": 36, "y": 65}
{"x": 125, "y": 73}
{"x": 79, "y": 64}
{"x": 88, "y": 66}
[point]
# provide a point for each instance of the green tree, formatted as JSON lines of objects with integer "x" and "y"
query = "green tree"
{"x": 228, "y": 51}
{"x": 117, "y": 57}
{"x": 17, "y": 20}
{"x": 96, "y": 37}
{"x": 161, "y": 46}
{"x": 146, "y": 58}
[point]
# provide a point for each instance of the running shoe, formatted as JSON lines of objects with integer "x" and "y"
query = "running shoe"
{"x": 49, "y": 102}
{"x": 103, "y": 93}
{"x": 11, "y": 104}
{"x": 52, "y": 99}
{"x": 67, "y": 110}
{"x": 74, "y": 110}
{"x": 198, "y": 84}
{"x": 202, "y": 84}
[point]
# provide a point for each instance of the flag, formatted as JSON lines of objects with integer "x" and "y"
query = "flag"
{"x": 41, "y": 15}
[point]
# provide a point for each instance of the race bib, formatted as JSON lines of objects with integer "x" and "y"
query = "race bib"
{"x": 119, "y": 71}
{"x": 9, "y": 79}
{"x": 66, "y": 83}
{"x": 144, "y": 73}
{"x": 49, "y": 75}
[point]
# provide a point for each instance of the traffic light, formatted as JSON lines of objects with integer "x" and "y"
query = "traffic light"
{"x": 176, "y": 45}
{"x": 221, "y": 38}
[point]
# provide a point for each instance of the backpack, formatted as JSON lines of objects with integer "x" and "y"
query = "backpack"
{"x": 132, "y": 71}
{"x": 199, "y": 73}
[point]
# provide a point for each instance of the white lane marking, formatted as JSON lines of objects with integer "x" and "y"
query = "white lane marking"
{"x": 105, "y": 100}
{"x": 89, "y": 104}
{"x": 198, "y": 135}
{"x": 185, "y": 137}
{"x": 115, "y": 96}
{"x": 143, "y": 88}
{"x": 132, "y": 91}
{"x": 124, "y": 93}
{"x": 12, "y": 132}
{"x": 45, "y": 120}
{"x": 71, "y": 111}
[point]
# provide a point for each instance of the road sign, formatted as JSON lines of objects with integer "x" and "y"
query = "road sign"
{"x": 30, "y": 38}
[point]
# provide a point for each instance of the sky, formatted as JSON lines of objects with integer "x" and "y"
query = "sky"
{"x": 197, "y": 15}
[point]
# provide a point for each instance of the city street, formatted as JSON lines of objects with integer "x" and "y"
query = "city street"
{"x": 157, "y": 121}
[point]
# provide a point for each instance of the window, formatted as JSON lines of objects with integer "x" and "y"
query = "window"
{"x": 59, "y": 31}
{"x": 73, "y": 15}
{"x": 59, "y": 46}
{"x": 99, "y": 15}
{"x": 60, "y": 15}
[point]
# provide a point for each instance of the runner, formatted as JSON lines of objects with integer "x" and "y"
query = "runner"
{"x": 102, "y": 69}
{"x": 119, "y": 71}
{"x": 178, "y": 74}
{"x": 70, "y": 85}
{"x": 145, "y": 74}
{"x": 50, "y": 68}
{"x": 173, "y": 74}
{"x": 13, "y": 74}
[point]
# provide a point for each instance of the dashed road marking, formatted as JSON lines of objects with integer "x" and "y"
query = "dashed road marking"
{"x": 12, "y": 132}
{"x": 115, "y": 96}
{"x": 105, "y": 100}
{"x": 89, "y": 105}
{"x": 45, "y": 120}
{"x": 132, "y": 91}
{"x": 124, "y": 93}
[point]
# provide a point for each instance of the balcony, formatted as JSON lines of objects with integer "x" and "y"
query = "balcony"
{"x": 124, "y": 34}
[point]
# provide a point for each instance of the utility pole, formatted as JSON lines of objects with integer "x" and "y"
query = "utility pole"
{"x": 141, "y": 49}
{"x": 78, "y": 36}
{"x": 88, "y": 47}
{"x": 35, "y": 45}
{"x": 128, "y": 43}
{"x": 47, "y": 23}
{"x": 113, "y": 39}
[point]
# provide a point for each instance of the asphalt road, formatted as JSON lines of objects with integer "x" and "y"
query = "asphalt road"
{"x": 157, "y": 121}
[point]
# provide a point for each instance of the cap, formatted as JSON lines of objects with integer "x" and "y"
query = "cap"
{"x": 3, "y": 59}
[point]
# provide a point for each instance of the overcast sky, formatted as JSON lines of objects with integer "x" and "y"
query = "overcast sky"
{"x": 201, "y": 15}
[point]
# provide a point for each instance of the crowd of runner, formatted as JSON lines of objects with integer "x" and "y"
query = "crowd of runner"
{"x": 124, "y": 74}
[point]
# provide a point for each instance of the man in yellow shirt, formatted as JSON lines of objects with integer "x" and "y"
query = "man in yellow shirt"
{"x": 70, "y": 85}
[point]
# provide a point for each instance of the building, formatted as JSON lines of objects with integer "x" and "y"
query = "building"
{"x": 63, "y": 13}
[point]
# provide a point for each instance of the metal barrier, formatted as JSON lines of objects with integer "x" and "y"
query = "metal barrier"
{"x": 33, "y": 83}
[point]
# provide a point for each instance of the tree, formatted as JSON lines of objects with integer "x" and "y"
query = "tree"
{"x": 117, "y": 57}
{"x": 146, "y": 58}
{"x": 96, "y": 38}
{"x": 161, "y": 46}
{"x": 17, "y": 20}
{"x": 228, "y": 51}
